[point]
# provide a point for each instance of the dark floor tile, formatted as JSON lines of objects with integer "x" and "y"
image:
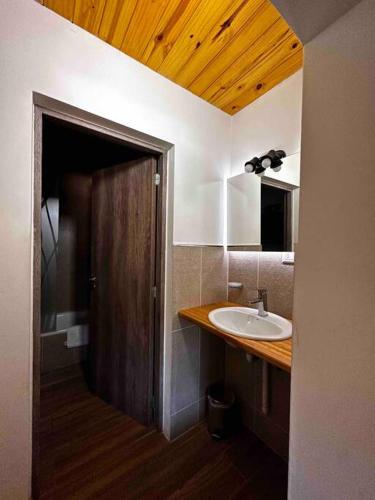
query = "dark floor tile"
{"x": 91, "y": 450}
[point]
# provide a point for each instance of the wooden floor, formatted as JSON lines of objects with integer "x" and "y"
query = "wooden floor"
{"x": 90, "y": 450}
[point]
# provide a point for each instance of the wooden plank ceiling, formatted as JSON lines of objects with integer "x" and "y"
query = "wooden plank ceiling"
{"x": 228, "y": 52}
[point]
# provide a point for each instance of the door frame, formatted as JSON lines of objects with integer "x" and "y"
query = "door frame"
{"x": 43, "y": 105}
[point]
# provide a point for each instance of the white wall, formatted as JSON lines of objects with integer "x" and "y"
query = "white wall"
{"x": 42, "y": 52}
{"x": 271, "y": 122}
{"x": 332, "y": 450}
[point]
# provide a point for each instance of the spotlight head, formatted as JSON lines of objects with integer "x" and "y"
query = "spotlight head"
{"x": 271, "y": 159}
{"x": 276, "y": 163}
{"x": 260, "y": 171}
{"x": 271, "y": 154}
{"x": 265, "y": 161}
{"x": 280, "y": 153}
{"x": 251, "y": 165}
{"x": 276, "y": 159}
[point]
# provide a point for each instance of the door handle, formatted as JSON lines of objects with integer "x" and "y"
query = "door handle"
{"x": 92, "y": 281}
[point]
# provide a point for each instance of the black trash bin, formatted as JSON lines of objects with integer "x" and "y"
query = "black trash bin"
{"x": 221, "y": 420}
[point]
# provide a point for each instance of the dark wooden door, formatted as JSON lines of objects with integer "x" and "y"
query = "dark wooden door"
{"x": 123, "y": 304}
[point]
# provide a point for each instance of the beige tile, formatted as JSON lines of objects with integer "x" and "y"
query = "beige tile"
{"x": 185, "y": 368}
{"x": 186, "y": 281}
{"x": 184, "y": 420}
{"x": 243, "y": 267}
{"x": 278, "y": 278}
{"x": 214, "y": 274}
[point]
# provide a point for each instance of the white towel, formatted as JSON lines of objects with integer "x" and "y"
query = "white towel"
{"x": 77, "y": 335}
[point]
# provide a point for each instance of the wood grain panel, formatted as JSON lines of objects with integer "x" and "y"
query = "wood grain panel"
{"x": 63, "y": 7}
{"x": 142, "y": 26}
{"x": 88, "y": 14}
{"x": 229, "y": 52}
{"x": 279, "y": 55}
{"x": 115, "y": 22}
{"x": 90, "y": 450}
{"x": 247, "y": 46}
{"x": 278, "y": 353}
{"x": 175, "y": 17}
{"x": 220, "y": 35}
{"x": 123, "y": 262}
{"x": 193, "y": 37}
{"x": 242, "y": 65}
{"x": 258, "y": 85}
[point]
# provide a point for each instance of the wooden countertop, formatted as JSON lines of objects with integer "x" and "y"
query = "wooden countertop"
{"x": 278, "y": 353}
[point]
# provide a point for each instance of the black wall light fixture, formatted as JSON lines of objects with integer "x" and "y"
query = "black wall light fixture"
{"x": 271, "y": 159}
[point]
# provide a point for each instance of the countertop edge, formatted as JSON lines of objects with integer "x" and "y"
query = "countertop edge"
{"x": 277, "y": 353}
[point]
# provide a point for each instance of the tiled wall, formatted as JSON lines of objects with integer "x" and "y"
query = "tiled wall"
{"x": 262, "y": 270}
{"x": 198, "y": 357}
{"x": 200, "y": 276}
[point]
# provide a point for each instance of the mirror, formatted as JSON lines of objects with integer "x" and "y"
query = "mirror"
{"x": 262, "y": 212}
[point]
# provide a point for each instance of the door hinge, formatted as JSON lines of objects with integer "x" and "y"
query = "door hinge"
{"x": 92, "y": 282}
{"x": 156, "y": 179}
{"x": 154, "y": 292}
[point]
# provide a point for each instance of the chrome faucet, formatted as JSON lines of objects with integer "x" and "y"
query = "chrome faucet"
{"x": 261, "y": 302}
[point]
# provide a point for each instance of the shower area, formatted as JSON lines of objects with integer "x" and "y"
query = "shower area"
{"x": 65, "y": 220}
{"x": 65, "y": 297}
{"x": 71, "y": 155}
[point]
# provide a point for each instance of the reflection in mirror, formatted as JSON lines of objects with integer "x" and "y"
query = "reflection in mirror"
{"x": 262, "y": 212}
{"x": 243, "y": 212}
{"x": 276, "y": 218}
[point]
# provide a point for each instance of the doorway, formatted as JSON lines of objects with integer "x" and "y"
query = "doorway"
{"x": 98, "y": 264}
{"x": 276, "y": 218}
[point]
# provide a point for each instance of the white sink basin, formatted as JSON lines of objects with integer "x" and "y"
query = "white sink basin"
{"x": 245, "y": 322}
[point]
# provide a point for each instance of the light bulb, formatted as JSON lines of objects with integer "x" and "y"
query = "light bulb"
{"x": 266, "y": 162}
{"x": 251, "y": 165}
{"x": 277, "y": 169}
